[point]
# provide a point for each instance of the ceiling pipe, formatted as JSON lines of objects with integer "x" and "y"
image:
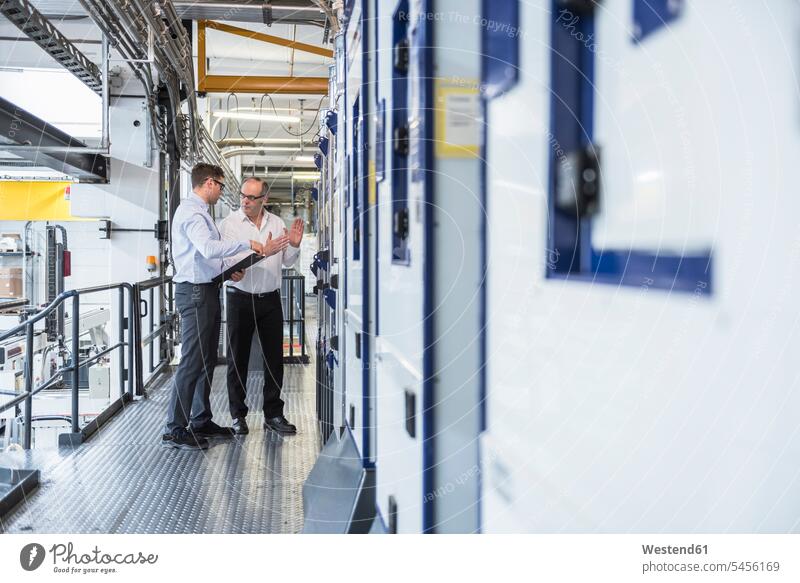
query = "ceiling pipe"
{"x": 274, "y": 12}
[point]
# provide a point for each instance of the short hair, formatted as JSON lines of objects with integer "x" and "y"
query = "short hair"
{"x": 256, "y": 179}
{"x": 202, "y": 172}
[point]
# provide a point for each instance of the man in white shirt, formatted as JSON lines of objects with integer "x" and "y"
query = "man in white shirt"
{"x": 198, "y": 251}
{"x": 254, "y": 304}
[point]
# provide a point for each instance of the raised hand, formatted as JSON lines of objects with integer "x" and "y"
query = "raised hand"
{"x": 296, "y": 233}
{"x": 273, "y": 246}
{"x": 257, "y": 247}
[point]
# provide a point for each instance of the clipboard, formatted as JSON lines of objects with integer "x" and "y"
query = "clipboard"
{"x": 243, "y": 264}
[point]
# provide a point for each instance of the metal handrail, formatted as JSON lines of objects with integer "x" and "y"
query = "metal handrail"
{"x": 295, "y": 299}
{"x": 42, "y": 387}
{"x": 59, "y": 299}
{"x": 161, "y": 331}
{"x": 26, "y": 397}
{"x": 146, "y": 284}
{"x": 13, "y": 304}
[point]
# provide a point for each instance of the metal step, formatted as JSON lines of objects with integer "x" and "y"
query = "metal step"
{"x": 40, "y": 30}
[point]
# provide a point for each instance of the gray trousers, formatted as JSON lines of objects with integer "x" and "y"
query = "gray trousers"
{"x": 198, "y": 305}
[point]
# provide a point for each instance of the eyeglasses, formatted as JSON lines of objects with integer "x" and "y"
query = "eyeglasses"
{"x": 251, "y": 197}
{"x": 221, "y": 184}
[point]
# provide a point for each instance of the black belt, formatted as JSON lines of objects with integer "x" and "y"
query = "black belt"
{"x": 238, "y": 292}
{"x": 207, "y": 284}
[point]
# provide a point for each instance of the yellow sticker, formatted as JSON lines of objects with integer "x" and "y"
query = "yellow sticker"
{"x": 373, "y": 186}
{"x": 458, "y": 116}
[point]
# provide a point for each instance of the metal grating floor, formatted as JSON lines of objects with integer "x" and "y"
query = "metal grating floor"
{"x": 123, "y": 481}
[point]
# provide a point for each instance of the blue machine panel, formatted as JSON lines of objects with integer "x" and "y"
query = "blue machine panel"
{"x": 500, "y": 39}
{"x": 574, "y": 201}
{"x": 417, "y": 101}
{"x": 398, "y": 115}
{"x": 380, "y": 139}
{"x": 349, "y": 5}
{"x": 331, "y": 120}
{"x": 356, "y": 182}
{"x": 651, "y": 15}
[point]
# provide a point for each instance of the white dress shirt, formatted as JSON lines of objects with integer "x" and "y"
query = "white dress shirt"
{"x": 197, "y": 246}
{"x": 266, "y": 275}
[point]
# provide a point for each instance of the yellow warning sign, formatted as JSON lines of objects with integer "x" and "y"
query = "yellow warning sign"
{"x": 34, "y": 201}
{"x": 372, "y": 184}
{"x": 458, "y": 118}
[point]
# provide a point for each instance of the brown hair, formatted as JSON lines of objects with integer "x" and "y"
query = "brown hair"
{"x": 202, "y": 172}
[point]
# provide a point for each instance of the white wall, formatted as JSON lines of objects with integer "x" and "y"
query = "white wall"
{"x": 130, "y": 200}
{"x": 56, "y": 96}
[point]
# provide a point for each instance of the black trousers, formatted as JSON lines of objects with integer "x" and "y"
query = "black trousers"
{"x": 246, "y": 315}
{"x": 198, "y": 305}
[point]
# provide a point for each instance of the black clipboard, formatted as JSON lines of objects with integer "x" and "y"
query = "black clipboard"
{"x": 243, "y": 264}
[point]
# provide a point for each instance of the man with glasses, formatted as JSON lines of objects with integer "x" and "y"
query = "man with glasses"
{"x": 197, "y": 252}
{"x": 254, "y": 305}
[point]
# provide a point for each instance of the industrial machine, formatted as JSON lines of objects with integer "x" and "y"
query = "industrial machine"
{"x": 52, "y": 352}
{"x": 400, "y": 269}
{"x": 542, "y": 267}
{"x": 49, "y": 356}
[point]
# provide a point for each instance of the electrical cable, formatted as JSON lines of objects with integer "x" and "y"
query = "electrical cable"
{"x": 260, "y": 120}
{"x": 310, "y": 127}
{"x": 227, "y": 109}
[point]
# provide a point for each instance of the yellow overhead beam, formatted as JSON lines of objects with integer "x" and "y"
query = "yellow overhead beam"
{"x": 34, "y": 201}
{"x": 201, "y": 54}
{"x": 255, "y": 84}
{"x": 268, "y": 38}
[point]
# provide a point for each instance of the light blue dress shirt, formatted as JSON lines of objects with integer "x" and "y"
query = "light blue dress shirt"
{"x": 197, "y": 247}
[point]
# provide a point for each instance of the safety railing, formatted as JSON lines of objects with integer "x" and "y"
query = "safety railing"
{"x": 12, "y": 305}
{"x": 293, "y": 300}
{"x": 142, "y": 305}
{"x": 78, "y": 434}
{"x": 145, "y": 334}
{"x": 159, "y": 334}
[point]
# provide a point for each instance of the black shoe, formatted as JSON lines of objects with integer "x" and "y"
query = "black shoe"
{"x": 280, "y": 424}
{"x": 211, "y": 429}
{"x": 182, "y": 439}
{"x": 240, "y": 426}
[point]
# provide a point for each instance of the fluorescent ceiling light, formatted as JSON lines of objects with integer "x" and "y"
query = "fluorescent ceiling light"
{"x": 287, "y": 141}
{"x": 304, "y": 158}
{"x": 296, "y": 175}
{"x": 239, "y": 6}
{"x": 256, "y": 150}
{"x": 649, "y": 176}
{"x": 255, "y": 116}
{"x": 262, "y": 109}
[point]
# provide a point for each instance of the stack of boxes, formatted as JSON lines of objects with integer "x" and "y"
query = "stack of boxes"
{"x": 10, "y": 282}
{"x": 10, "y": 277}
